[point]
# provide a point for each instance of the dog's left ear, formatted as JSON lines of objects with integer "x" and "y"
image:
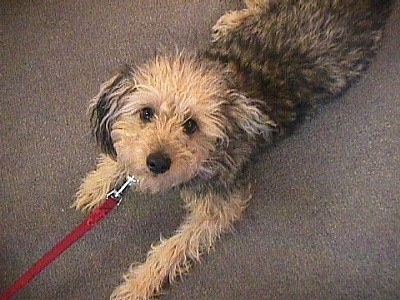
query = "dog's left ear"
{"x": 104, "y": 106}
{"x": 247, "y": 115}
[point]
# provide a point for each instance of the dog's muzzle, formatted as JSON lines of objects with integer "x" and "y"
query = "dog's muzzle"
{"x": 158, "y": 162}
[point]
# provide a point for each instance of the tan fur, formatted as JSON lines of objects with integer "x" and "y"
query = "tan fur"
{"x": 178, "y": 89}
{"x": 207, "y": 219}
{"x": 194, "y": 123}
{"x": 98, "y": 183}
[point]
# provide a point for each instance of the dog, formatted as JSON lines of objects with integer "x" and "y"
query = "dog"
{"x": 195, "y": 122}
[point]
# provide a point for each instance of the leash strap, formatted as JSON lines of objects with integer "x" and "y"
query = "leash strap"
{"x": 113, "y": 199}
{"x": 96, "y": 216}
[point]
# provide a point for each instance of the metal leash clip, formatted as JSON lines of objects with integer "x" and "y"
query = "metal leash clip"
{"x": 117, "y": 194}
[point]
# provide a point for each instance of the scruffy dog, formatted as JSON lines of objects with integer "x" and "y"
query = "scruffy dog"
{"x": 195, "y": 122}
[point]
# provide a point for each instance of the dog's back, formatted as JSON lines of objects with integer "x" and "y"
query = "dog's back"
{"x": 292, "y": 53}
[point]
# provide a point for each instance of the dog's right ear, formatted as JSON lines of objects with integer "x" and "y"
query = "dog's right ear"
{"x": 247, "y": 115}
{"x": 105, "y": 105}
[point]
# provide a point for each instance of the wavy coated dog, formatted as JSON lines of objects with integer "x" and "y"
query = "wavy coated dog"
{"x": 194, "y": 122}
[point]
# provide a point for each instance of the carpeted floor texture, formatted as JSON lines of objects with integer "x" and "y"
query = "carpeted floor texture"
{"x": 324, "y": 222}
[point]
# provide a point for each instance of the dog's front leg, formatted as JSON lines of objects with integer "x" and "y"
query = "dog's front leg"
{"x": 208, "y": 217}
{"x": 98, "y": 183}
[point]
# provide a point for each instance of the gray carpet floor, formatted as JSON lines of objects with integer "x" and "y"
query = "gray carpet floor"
{"x": 324, "y": 221}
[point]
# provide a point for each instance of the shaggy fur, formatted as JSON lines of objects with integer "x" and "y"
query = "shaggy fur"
{"x": 194, "y": 123}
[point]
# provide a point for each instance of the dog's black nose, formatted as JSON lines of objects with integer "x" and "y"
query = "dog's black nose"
{"x": 158, "y": 162}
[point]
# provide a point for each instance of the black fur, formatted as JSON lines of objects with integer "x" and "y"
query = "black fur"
{"x": 277, "y": 55}
{"x": 104, "y": 106}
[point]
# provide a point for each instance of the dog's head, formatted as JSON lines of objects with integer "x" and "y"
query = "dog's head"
{"x": 167, "y": 120}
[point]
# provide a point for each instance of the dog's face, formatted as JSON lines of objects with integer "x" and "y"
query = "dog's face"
{"x": 166, "y": 120}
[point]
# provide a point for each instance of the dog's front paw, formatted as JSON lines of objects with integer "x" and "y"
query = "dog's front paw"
{"x": 97, "y": 184}
{"x": 88, "y": 199}
{"x": 92, "y": 192}
{"x": 133, "y": 289}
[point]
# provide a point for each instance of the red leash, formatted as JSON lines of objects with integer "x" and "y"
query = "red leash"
{"x": 113, "y": 199}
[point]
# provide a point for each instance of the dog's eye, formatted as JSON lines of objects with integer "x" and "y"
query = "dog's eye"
{"x": 147, "y": 114}
{"x": 190, "y": 126}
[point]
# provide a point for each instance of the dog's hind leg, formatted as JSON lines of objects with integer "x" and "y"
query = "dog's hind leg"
{"x": 257, "y": 4}
{"x": 234, "y": 19}
{"x": 208, "y": 217}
